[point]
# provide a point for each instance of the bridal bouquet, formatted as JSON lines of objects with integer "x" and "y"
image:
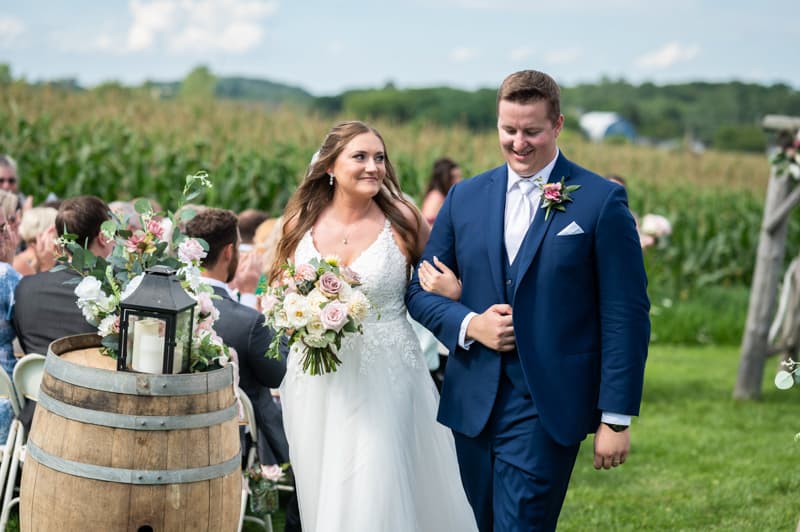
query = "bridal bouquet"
{"x": 139, "y": 245}
{"x": 315, "y": 305}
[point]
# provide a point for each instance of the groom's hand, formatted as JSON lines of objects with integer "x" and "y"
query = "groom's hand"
{"x": 610, "y": 448}
{"x": 494, "y": 328}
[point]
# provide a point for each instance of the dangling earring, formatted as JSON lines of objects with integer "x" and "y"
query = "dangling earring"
{"x": 330, "y": 181}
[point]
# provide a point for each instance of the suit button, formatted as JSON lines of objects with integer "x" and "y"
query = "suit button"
{"x": 508, "y": 282}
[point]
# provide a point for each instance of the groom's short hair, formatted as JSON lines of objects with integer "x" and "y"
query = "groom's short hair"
{"x": 528, "y": 86}
{"x": 218, "y": 227}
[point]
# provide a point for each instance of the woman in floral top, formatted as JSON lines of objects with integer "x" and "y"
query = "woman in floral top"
{"x": 8, "y": 282}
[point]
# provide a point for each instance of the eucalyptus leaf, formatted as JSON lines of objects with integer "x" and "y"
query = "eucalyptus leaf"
{"x": 784, "y": 380}
{"x": 143, "y": 206}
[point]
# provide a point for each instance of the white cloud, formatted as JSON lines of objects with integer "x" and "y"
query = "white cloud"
{"x": 10, "y": 29}
{"x": 562, "y": 57}
{"x": 463, "y": 54}
{"x": 233, "y": 26}
{"x": 668, "y": 55}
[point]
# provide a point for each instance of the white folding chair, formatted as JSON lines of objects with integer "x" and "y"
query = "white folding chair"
{"x": 252, "y": 455}
{"x": 27, "y": 378}
{"x": 7, "y": 392}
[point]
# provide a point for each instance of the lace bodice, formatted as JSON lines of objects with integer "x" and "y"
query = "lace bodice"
{"x": 382, "y": 269}
{"x": 387, "y": 333}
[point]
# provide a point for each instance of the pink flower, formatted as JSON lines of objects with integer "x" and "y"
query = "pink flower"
{"x": 305, "y": 272}
{"x": 329, "y": 284}
{"x": 155, "y": 228}
{"x": 268, "y": 302}
{"x": 334, "y": 315}
{"x": 272, "y": 473}
{"x": 349, "y": 275}
{"x": 139, "y": 242}
{"x": 190, "y": 250}
{"x": 552, "y": 192}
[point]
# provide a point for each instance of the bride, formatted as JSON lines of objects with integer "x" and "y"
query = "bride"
{"x": 365, "y": 447}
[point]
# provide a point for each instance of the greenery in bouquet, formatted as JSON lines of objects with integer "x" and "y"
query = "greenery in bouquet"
{"x": 314, "y": 305}
{"x": 107, "y": 281}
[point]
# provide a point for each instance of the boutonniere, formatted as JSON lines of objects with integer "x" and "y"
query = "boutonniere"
{"x": 555, "y": 195}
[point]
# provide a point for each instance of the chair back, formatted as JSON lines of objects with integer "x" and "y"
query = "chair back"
{"x": 28, "y": 377}
{"x": 249, "y": 415}
{"x": 7, "y": 392}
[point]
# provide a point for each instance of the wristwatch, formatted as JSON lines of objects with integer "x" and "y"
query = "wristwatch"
{"x": 615, "y": 427}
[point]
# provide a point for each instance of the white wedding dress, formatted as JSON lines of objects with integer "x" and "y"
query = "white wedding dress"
{"x": 367, "y": 452}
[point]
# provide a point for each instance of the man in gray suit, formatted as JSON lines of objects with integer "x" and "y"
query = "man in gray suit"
{"x": 45, "y": 303}
{"x": 242, "y": 328}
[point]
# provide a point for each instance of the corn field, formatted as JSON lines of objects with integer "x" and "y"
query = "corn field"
{"x": 121, "y": 144}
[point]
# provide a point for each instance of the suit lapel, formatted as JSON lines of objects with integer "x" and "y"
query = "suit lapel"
{"x": 495, "y": 226}
{"x": 537, "y": 230}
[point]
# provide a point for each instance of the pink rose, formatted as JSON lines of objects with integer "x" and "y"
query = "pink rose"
{"x": 334, "y": 315}
{"x": 305, "y": 272}
{"x": 139, "y": 243}
{"x": 272, "y": 473}
{"x": 268, "y": 302}
{"x": 329, "y": 284}
{"x": 349, "y": 275}
{"x": 552, "y": 192}
{"x": 190, "y": 250}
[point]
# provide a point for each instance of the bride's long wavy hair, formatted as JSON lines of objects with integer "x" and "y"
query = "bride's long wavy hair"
{"x": 315, "y": 193}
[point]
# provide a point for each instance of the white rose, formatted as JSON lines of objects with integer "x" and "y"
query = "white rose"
{"x": 108, "y": 325}
{"x": 89, "y": 289}
{"x": 315, "y": 326}
{"x": 297, "y": 310}
{"x": 315, "y": 299}
{"x": 345, "y": 293}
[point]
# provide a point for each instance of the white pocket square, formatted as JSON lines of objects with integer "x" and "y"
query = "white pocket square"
{"x": 571, "y": 229}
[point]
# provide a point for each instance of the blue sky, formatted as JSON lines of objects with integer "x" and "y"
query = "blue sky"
{"x": 326, "y": 46}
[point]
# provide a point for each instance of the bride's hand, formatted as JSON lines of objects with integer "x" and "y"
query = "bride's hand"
{"x": 439, "y": 279}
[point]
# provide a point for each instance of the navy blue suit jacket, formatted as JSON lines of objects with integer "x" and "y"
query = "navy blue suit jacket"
{"x": 580, "y": 306}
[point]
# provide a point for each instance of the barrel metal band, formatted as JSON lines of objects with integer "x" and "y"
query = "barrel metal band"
{"x": 138, "y": 383}
{"x": 133, "y": 476}
{"x": 127, "y": 421}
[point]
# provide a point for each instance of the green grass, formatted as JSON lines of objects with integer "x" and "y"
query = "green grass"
{"x": 699, "y": 460}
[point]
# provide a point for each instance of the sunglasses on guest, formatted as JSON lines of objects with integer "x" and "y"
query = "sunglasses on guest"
{"x": 9, "y": 180}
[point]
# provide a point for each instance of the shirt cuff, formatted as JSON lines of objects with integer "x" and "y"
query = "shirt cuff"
{"x": 616, "y": 419}
{"x": 248, "y": 299}
{"x": 463, "y": 342}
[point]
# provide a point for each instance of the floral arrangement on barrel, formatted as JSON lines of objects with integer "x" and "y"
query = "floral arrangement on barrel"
{"x": 262, "y": 483}
{"x": 107, "y": 281}
{"x": 314, "y": 305}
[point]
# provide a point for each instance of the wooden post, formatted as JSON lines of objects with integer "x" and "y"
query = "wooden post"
{"x": 768, "y": 268}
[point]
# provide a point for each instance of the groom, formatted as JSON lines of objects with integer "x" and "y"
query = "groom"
{"x": 549, "y": 339}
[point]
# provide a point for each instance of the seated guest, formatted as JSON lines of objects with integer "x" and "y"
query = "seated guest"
{"x": 8, "y": 282}
{"x": 249, "y": 221}
{"x": 242, "y": 328}
{"x": 45, "y": 302}
{"x": 38, "y": 231}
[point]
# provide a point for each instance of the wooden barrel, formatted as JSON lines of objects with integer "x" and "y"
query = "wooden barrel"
{"x": 112, "y": 450}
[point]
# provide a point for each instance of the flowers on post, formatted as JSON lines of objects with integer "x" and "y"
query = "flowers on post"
{"x": 787, "y": 160}
{"x": 555, "y": 195}
{"x": 315, "y": 305}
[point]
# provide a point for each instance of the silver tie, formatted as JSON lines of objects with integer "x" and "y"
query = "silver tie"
{"x": 521, "y": 211}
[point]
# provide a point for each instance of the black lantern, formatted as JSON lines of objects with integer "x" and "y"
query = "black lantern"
{"x": 155, "y": 325}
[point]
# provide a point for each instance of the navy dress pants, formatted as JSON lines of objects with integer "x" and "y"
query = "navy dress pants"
{"x": 514, "y": 474}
